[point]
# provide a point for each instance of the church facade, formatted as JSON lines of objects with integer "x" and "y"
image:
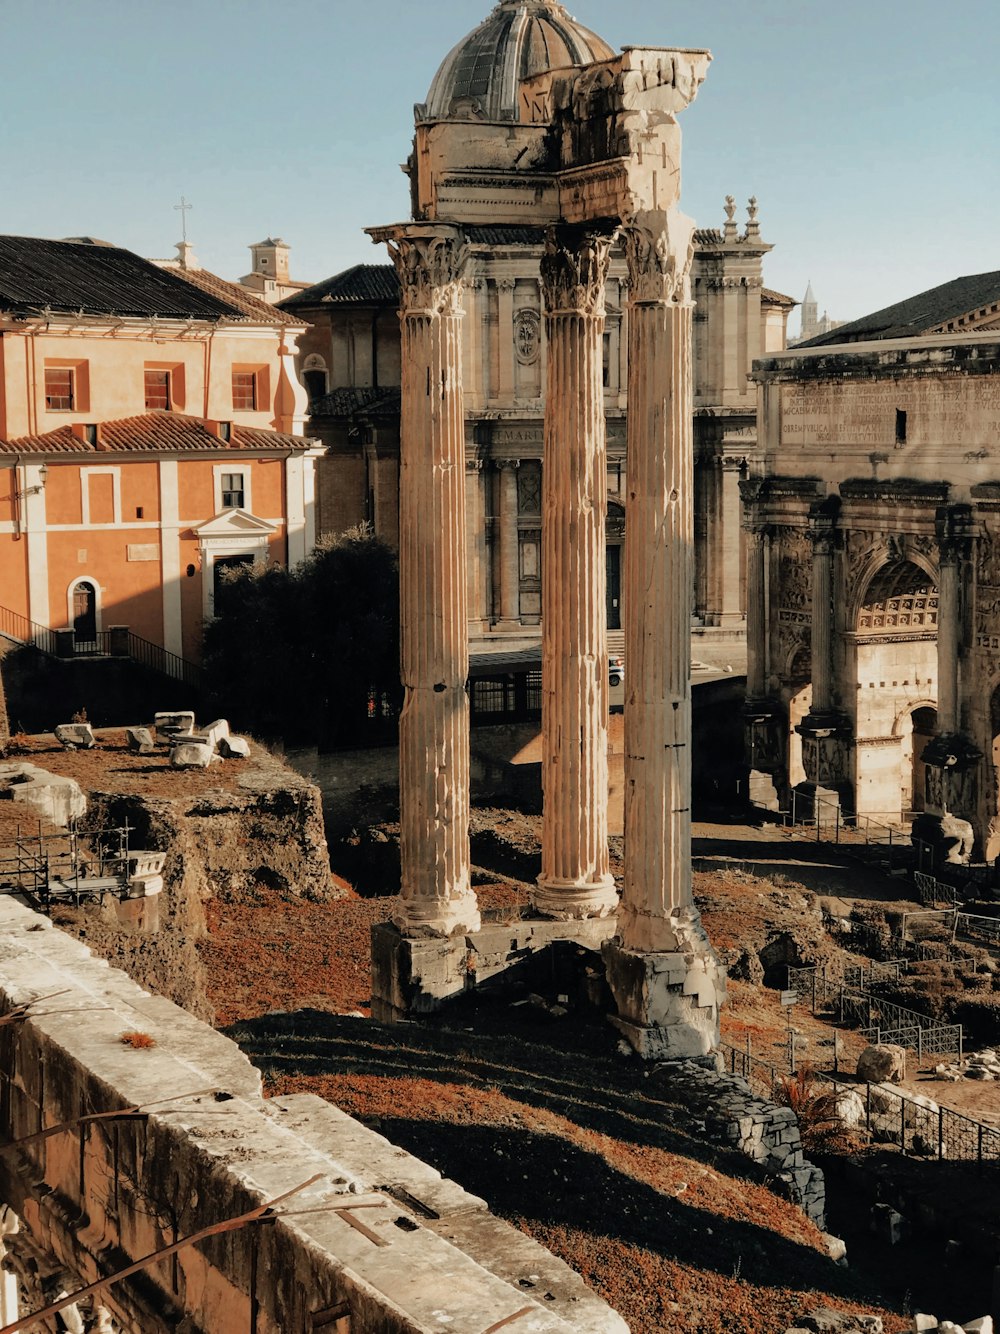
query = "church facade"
{"x": 349, "y": 357}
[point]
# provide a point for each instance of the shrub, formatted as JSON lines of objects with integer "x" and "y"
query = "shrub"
{"x": 871, "y": 932}
{"x": 979, "y": 1016}
{"x": 815, "y": 1106}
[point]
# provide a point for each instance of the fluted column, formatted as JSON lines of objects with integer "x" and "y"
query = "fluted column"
{"x": 575, "y": 881}
{"x": 665, "y": 979}
{"x": 510, "y": 574}
{"x": 436, "y": 894}
{"x": 505, "y": 332}
{"x": 657, "y": 585}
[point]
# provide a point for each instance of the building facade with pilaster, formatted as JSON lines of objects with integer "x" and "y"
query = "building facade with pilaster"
{"x": 873, "y": 583}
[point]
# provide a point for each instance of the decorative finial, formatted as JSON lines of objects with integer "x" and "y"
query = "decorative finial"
{"x": 729, "y": 231}
{"x": 753, "y": 226}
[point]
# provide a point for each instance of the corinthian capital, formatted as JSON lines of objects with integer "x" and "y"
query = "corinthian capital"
{"x": 659, "y": 247}
{"x": 430, "y": 265}
{"x": 574, "y": 270}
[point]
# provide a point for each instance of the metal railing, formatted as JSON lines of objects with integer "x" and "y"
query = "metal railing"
{"x": 887, "y": 1116}
{"x": 117, "y": 643}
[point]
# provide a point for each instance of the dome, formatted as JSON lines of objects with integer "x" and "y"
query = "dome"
{"x": 479, "y": 79}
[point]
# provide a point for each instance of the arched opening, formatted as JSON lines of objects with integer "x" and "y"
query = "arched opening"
{"x": 84, "y": 614}
{"x": 315, "y": 376}
{"x": 915, "y": 730}
{"x": 895, "y": 640}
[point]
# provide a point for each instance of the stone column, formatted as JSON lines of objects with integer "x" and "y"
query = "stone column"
{"x": 437, "y": 898}
{"x": 576, "y": 881}
{"x": 661, "y": 968}
{"x": 952, "y": 757}
{"x": 505, "y": 333}
{"x": 730, "y": 608}
{"x": 510, "y": 572}
{"x": 949, "y": 631}
{"x": 756, "y": 609}
{"x": 822, "y": 534}
{"x": 475, "y": 537}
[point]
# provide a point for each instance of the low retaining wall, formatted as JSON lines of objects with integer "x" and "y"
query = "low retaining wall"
{"x": 379, "y": 1243}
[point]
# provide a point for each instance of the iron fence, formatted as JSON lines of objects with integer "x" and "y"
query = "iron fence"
{"x": 917, "y": 1126}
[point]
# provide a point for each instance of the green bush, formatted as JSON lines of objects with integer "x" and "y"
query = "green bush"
{"x": 299, "y": 653}
{"x": 979, "y": 1016}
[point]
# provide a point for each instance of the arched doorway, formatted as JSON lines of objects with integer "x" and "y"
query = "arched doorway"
{"x": 915, "y": 730}
{"x": 83, "y": 615}
{"x": 799, "y": 704}
{"x": 895, "y": 645}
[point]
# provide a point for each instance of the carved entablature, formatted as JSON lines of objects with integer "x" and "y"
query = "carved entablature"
{"x": 574, "y": 270}
{"x": 659, "y": 247}
{"x": 430, "y": 264}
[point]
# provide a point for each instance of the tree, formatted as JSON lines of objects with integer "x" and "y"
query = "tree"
{"x": 310, "y": 653}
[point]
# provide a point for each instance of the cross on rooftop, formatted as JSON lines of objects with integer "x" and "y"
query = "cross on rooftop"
{"x": 183, "y": 209}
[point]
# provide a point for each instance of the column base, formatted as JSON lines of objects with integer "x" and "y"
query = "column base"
{"x": 412, "y": 978}
{"x": 573, "y": 901}
{"x": 440, "y": 921}
{"x": 816, "y": 804}
{"x": 668, "y": 1001}
{"x": 762, "y": 791}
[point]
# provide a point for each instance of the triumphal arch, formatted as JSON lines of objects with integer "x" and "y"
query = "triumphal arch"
{"x": 592, "y": 155}
{"x": 874, "y": 565}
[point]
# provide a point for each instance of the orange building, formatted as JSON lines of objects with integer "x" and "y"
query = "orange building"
{"x": 150, "y": 436}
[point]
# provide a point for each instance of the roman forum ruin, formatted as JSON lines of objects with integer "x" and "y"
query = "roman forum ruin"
{"x": 594, "y": 153}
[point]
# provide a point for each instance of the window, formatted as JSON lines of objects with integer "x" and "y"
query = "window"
{"x": 157, "y": 389}
{"x": 233, "y": 491}
{"x": 900, "y": 427}
{"x": 244, "y": 391}
{"x": 59, "y": 395}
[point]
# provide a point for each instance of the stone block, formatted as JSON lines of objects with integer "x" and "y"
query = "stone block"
{"x": 923, "y": 1323}
{"x": 214, "y": 732}
{"x": 140, "y": 740}
{"x": 75, "y": 736}
{"x": 887, "y": 1224}
{"x": 191, "y": 755}
{"x": 984, "y": 1325}
{"x": 882, "y": 1064}
{"x": 659, "y": 997}
{"x": 836, "y": 1247}
{"x": 234, "y": 748}
{"x": 55, "y": 798}
{"x": 169, "y": 725}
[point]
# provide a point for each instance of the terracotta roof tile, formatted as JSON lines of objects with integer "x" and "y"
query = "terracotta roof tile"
{"x": 235, "y": 295}
{"x": 773, "y": 298}
{"x": 364, "y": 284}
{"x": 923, "y": 313}
{"x": 154, "y": 432}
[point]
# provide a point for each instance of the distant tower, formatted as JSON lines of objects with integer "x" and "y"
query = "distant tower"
{"x": 810, "y": 313}
{"x": 270, "y": 259}
{"x": 269, "y": 278}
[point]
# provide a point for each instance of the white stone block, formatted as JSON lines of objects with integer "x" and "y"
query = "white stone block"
{"x": 191, "y": 755}
{"x": 984, "y": 1325}
{"x": 73, "y": 735}
{"x": 173, "y": 724}
{"x": 234, "y": 748}
{"x": 923, "y": 1323}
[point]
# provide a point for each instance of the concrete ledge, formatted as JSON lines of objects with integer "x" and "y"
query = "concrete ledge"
{"x": 382, "y": 1235}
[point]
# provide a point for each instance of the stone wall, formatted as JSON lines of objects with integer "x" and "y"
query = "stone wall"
{"x": 730, "y": 1112}
{"x": 376, "y": 1243}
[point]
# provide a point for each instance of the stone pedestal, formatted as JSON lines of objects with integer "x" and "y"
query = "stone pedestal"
{"x": 412, "y": 977}
{"x": 436, "y": 893}
{"x": 826, "y": 758}
{"x": 576, "y": 881}
{"x": 664, "y": 976}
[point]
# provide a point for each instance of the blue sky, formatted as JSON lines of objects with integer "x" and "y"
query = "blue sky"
{"x": 868, "y": 129}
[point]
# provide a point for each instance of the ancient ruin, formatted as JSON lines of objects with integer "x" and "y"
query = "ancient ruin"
{"x": 873, "y": 640}
{"x": 591, "y": 152}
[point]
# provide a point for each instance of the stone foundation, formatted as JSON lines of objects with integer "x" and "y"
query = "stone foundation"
{"x": 418, "y": 976}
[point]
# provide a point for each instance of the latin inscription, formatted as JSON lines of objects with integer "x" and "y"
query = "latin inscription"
{"x": 962, "y": 412}
{"x": 142, "y": 551}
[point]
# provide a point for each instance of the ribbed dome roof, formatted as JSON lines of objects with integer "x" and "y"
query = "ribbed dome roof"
{"x": 479, "y": 79}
